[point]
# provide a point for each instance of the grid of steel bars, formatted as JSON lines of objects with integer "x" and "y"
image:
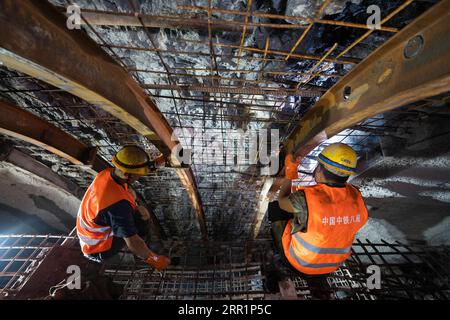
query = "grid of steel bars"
{"x": 94, "y": 127}
{"x": 216, "y": 101}
{"x": 226, "y": 107}
{"x": 230, "y": 270}
{"x": 233, "y": 271}
{"x": 367, "y": 135}
{"x": 20, "y": 256}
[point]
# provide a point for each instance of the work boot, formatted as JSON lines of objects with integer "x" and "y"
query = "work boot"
{"x": 275, "y": 272}
{"x": 319, "y": 287}
{"x": 271, "y": 282}
{"x": 280, "y": 266}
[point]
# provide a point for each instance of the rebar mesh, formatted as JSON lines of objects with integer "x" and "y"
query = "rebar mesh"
{"x": 240, "y": 270}
{"x": 20, "y": 256}
{"x": 171, "y": 54}
{"x": 236, "y": 271}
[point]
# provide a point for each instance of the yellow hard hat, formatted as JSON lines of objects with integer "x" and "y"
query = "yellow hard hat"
{"x": 338, "y": 158}
{"x": 132, "y": 159}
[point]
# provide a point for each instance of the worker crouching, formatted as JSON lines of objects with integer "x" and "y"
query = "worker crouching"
{"x": 314, "y": 226}
{"x": 109, "y": 218}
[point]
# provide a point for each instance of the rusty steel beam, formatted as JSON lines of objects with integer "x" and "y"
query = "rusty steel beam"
{"x": 35, "y": 41}
{"x": 411, "y": 66}
{"x": 130, "y": 20}
{"x": 238, "y": 90}
{"x": 23, "y": 125}
{"x": 304, "y": 20}
{"x": 24, "y": 161}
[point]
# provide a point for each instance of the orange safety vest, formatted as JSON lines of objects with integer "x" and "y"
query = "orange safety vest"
{"x": 334, "y": 217}
{"x": 102, "y": 193}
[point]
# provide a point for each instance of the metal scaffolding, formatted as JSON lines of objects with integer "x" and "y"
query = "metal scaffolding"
{"x": 230, "y": 271}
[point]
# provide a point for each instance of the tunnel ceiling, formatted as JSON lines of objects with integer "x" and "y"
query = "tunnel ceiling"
{"x": 217, "y": 65}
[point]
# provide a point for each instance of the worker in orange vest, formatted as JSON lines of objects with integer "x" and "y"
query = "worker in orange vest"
{"x": 314, "y": 226}
{"x": 109, "y": 218}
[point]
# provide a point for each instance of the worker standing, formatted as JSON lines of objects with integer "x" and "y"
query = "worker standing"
{"x": 109, "y": 218}
{"x": 314, "y": 226}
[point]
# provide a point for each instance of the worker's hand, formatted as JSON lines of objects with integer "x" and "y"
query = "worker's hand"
{"x": 291, "y": 167}
{"x": 157, "y": 261}
{"x": 160, "y": 160}
{"x": 143, "y": 212}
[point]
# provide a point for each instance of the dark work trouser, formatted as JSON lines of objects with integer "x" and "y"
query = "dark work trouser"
{"x": 278, "y": 220}
{"x": 143, "y": 228}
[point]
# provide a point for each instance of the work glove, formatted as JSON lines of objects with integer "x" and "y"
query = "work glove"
{"x": 157, "y": 261}
{"x": 291, "y": 167}
{"x": 160, "y": 160}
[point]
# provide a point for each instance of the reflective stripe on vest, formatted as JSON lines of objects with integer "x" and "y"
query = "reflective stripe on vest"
{"x": 312, "y": 265}
{"x": 101, "y": 194}
{"x": 315, "y": 249}
{"x": 334, "y": 217}
{"x": 93, "y": 242}
{"x": 96, "y": 230}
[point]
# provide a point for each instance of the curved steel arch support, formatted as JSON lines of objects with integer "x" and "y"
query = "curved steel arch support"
{"x": 24, "y": 161}
{"x": 409, "y": 67}
{"x": 35, "y": 41}
{"x": 23, "y": 125}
